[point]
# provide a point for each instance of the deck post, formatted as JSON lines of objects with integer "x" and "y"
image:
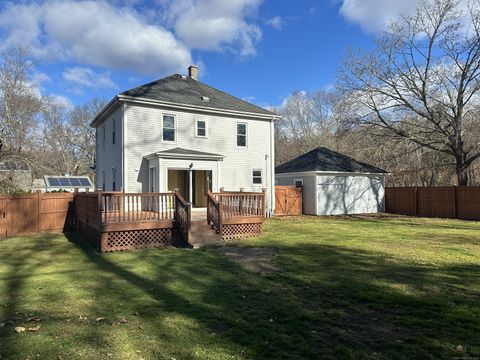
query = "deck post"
{"x": 99, "y": 206}
{"x": 220, "y": 219}
{"x": 264, "y": 190}
{"x": 189, "y": 220}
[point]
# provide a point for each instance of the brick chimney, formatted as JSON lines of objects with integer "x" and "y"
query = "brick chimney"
{"x": 193, "y": 72}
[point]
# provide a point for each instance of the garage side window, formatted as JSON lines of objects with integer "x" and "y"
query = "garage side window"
{"x": 298, "y": 182}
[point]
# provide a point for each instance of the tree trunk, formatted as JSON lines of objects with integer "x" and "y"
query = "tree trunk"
{"x": 462, "y": 174}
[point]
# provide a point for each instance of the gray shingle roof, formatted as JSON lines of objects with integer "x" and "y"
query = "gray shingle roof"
{"x": 184, "y": 90}
{"x": 323, "y": 159}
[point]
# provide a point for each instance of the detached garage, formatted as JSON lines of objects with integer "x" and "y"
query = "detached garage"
{"x": 334, "y": 184}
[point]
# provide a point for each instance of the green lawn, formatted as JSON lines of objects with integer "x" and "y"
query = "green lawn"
{"x": 315, "y": 288}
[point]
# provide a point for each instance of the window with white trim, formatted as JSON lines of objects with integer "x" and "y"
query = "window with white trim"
{"x": 201, "y": 128}
{"x": 113, "y": 131}
{"x": 104, "y": 135}
{"x": 114, "y": 178}
{"x": 298, "y": 182}
{"x": 241, "y": 134}
{"x": 257, "y": 177}
{"x": 103, "y": 180}
{"x": 168, "y": 128}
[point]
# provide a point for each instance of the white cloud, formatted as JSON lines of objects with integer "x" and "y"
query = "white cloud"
{"x": 93, "y": 33}
{"x": 62, "y": 101}
{"x": 374, "y": 15}
{"x": 215, "y": 24}
{"x": 86, "y": 77}
{"x": 276, "y": 22}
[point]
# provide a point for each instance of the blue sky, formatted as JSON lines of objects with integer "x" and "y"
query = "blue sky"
{"x": 258, "y": 50}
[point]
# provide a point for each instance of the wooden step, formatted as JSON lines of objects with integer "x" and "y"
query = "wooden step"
{"x": 203, "y": 234}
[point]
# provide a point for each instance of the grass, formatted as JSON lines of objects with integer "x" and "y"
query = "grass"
{"x": 372, "y": 288}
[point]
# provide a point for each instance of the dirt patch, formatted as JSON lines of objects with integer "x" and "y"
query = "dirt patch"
{"x": 255, "y": 259}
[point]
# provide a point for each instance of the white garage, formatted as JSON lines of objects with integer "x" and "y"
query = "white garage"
{"x": 334, "y": 184}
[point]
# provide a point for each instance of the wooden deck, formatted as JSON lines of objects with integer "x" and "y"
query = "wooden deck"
{"x": 121, "y": 221}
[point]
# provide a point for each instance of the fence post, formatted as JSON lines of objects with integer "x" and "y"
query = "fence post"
{"x": 416, "y": 200}
{"x": 38, "y": 210}
{"x": 454, "y": 188}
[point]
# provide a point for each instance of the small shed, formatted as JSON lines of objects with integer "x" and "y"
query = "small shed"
{"x": 334, "y": 184}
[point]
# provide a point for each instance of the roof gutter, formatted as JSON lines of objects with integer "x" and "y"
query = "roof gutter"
{"x": 104, "y": 111}
{"x": 172, "y": 105}
{"x": 326, "y": 173}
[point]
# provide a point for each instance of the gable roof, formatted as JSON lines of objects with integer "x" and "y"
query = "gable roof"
{"x": 180, "y": 89}
{"x": 323, "y": 159}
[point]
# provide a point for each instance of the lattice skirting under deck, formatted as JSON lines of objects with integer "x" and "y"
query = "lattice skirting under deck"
{"x": 238, "y": 231}
{"x": 137, "y": 239}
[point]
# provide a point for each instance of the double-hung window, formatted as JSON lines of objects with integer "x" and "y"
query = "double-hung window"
{"x": 103, "y": 180}
{"x": 114, "y": 178}
{"x": 201, "y": 128}
{"x": 168, "y": 130}
{"x": 241, "y": 134}
{"x": 113, "y": 131}
{"x": 104, "y": 135}
{"x": 257, "y": 177}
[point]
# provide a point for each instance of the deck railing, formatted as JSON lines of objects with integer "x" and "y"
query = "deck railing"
{"x": 183, "y": 217}
{"x": 214, "y": 213}
{"x": 241, "y": 204}
{"x": 119, "y": 207}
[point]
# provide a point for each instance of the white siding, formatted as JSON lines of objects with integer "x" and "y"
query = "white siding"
{"x": 309, "y": 184}
{"x": 350, "y": 194}
{"x": 143, "y": 136}
{"x": 110, "y": 156}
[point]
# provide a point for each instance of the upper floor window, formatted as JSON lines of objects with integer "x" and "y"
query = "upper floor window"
{"x": 257, "y": 176}
{"x": 113, "y": 131}
{"x": 298, "y": 182}
{"x": 103, "y": 137}
{"x": 103, "y": 180}
{"x": 241, "y": 134}
{"x": 114, "y": 179}
{"x": 201, "y": 128}
{"x": 168, "y": 128}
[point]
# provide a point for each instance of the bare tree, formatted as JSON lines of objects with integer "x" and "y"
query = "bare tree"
{"x": 308, "y": 120}
{"x": 20, "y": 106}
{"x": 422, "y": 81}
{"x": 70, "y": 139}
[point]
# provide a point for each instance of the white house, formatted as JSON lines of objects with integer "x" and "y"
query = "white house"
{"x": 178, "y": 133}
{"x": 334, "y": 184}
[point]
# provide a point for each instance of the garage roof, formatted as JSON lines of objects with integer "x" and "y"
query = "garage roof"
{"x": 323, "y": 159}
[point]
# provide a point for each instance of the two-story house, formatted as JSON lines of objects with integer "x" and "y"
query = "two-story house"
{"x": 177, "y": 133}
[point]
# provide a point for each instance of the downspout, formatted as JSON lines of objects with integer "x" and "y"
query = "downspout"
{"x": 124, "y": 171}
{"x": 272, "y": 167}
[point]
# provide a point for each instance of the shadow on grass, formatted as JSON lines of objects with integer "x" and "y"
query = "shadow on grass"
{"x": 326, "y": 301}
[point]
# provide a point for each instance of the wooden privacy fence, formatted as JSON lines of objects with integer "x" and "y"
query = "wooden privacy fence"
{"x": 444, "y": 202}
{"x": 36, "y": 213}
{"x": 236, "y": 215}
{"x": 288, "y": 200}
